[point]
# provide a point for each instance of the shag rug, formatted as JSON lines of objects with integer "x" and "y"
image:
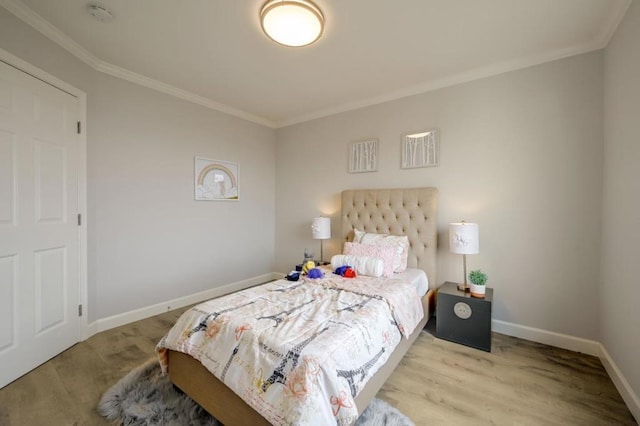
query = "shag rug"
{"x": 146, "y": 397}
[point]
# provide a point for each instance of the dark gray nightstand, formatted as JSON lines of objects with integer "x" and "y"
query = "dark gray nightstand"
{"x": 462, "y": 318}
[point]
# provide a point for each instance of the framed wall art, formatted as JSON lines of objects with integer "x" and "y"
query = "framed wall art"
{"x": 216, "y": 179}
{"x": 421, "y": 149}
{"x": 363, "y": 156}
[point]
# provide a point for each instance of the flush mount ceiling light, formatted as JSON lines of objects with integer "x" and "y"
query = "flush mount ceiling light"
{"x": 292, "y": 22}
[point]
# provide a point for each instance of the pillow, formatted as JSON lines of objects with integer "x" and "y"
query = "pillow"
{"x": 401, "y": 245}
{"x": 385, "y": 253}
{"x": 364, "y": 265}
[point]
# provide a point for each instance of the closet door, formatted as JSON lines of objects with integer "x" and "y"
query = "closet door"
{"x": 39, "y": 256}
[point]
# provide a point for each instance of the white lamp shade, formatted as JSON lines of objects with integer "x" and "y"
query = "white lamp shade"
{"x": 321, "y": 228}
{"x": 463, "y": 238}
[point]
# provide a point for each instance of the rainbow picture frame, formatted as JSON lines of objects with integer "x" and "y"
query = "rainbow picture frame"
{"x": 216, "y": 180}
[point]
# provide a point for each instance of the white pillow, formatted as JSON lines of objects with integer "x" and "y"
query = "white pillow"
{"x": 364, "y": 265}
{"x": 401, "y": 244}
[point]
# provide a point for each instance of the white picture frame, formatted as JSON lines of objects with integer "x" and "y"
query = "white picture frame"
{"x": 421, "y": 149}
{"x": 216, "y": 180}
{"x": 363, "y": 156}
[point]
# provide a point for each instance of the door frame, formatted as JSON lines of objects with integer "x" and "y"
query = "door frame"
{"x": 20, "y": 64}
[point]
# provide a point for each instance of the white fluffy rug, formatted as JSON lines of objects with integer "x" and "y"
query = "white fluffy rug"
{"x": 145, "y": 397}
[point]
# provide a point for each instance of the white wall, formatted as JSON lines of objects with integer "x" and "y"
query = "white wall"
{"x": 521, "y": 154}
{"x": 620, "y": 316}
{"x": 153, "y": 241}
{"x": 148, "y": 240}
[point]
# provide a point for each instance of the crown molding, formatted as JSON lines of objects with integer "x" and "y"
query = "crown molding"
{"x": 142, "y": 80}
{"x": 600, "y": 41}
{"x": 54, "y": 34}
{"x": 47, "y": 29}
{"x": 50, "y": 31}
{"x": 608, "y": 30}
{"x": 460, "y": 78}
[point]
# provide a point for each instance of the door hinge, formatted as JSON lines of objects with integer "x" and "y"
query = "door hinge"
{"x": 79, "y": 219}
{"x": 79, "y": 310}
{"x": 79, "y": 127}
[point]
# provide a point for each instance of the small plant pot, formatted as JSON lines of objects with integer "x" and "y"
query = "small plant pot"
{"x": 477, "y": 290}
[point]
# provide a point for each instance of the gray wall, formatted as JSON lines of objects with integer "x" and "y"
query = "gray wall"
{"x": 521, "y": 154}
{"x": 148, "y": 240}
{"x": 153, "y": 241}
{"x": 619, "y": 314}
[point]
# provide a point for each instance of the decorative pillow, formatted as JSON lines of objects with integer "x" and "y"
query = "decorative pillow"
{"x": 364, "y": 265}
{"x": 401, "y": 245}
{"x": 383, "y": 252}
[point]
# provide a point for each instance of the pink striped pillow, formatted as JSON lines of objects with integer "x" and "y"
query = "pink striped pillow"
{"x": 383, "y": 252}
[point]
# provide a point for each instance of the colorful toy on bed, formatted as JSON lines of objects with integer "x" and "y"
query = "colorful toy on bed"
{"x": 307, "y": 266}
{"x": 293, "y": 276}
{"x": 345, "y": 271}
{"x": 315, "y": 273}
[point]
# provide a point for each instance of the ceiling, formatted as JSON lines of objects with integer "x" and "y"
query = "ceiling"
{"x": 214, "y": 53}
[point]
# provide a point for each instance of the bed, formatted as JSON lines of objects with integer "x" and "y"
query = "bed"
{"x": 411, "y": 212}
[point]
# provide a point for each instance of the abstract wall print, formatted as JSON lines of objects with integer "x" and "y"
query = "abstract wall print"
{"x": 421, "y": 149}
{"x": 216, "y": 180}
{"x": 363, "y": 156}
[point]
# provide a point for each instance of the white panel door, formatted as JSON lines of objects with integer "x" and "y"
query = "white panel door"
{"x": 39, "y": 260}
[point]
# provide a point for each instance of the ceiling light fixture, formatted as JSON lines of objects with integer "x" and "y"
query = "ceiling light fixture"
{"x": 292, "y": 22}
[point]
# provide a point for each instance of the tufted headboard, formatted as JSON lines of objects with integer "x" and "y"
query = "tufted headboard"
{"x": 412, "y": 212}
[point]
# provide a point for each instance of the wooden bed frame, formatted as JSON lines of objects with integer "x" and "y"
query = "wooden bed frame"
{"x": 411, "y": 212}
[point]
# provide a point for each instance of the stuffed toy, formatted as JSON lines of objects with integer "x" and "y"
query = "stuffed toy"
{"x": 307, "y": 266}
{"x": 345, "y": 271}
{"x": 340, "y": 270}
{"x": 293, "y": 276}
{"x": 315, "y": 273}
{"x": 349, "y": 273}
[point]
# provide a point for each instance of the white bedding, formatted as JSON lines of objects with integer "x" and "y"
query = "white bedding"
{"x": 417, "y": 277}
{"x": 299, "y": 352}
{"x": 370, "y": 266}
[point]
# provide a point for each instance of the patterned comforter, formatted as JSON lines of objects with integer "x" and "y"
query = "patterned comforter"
{"x": 299, "y": 352}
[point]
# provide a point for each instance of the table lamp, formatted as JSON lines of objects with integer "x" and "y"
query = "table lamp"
{"x": 321, "y": 230}
{"x": 463, "y": 239}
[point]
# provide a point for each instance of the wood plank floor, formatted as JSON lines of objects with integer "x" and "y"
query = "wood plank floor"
{"x": 518, "y": 383}
{"x": 437, "y": 383}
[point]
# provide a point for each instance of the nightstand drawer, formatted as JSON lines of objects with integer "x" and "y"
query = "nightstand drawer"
{"x": 464, "y": 319}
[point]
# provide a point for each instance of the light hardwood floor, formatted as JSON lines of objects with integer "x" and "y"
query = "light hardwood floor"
{"x": 437, "y": 383}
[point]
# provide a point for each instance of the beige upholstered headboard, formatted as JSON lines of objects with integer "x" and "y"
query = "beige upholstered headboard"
{"x": 412, "y": 212}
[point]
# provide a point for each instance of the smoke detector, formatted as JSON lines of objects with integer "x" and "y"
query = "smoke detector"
{"x": 100, "y": 13}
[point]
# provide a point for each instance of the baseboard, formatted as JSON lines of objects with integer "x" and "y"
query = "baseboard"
{"x": 91, "y": 329}
{"x": 559, "y": 340}
{"x": 104, "y": 324}
{"x": 577, "y": 344}
{"x": 628, "y": 395}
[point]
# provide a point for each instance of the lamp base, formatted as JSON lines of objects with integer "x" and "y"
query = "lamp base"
{"x": 463, "y": 287}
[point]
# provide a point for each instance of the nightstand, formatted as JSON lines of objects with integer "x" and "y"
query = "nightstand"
{"x": 462, "y": 318}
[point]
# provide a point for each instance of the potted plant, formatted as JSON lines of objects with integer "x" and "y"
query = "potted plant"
{"x": 478, "y": 279}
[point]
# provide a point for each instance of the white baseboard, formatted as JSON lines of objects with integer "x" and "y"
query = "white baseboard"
{"x": 577, "y": 344}
{"x": 559, "y": 340}
{"x": 159, "y": 308}
{"x": 91, "y": 329}
{"x": 628, "y": 395}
